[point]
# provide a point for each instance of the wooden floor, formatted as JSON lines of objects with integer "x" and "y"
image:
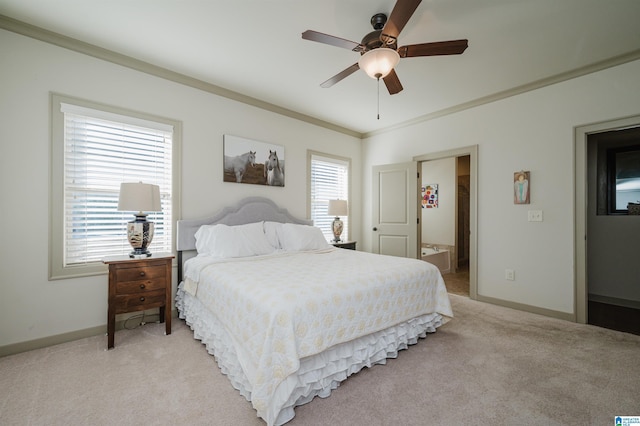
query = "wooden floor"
{"x": 614, "y": 317}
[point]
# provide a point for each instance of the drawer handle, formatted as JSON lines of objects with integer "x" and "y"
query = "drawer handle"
{"x": 142, "y": 286}
{"x": 142, "y": 299}
{"x": 142, "y": 274}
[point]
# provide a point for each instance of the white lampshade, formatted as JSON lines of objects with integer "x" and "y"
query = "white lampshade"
{"x": 138, "y": 196}
{"x": 337, "y": 208}
{"x": 377, "y": 63}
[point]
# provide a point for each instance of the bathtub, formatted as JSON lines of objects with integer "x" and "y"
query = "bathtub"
{"x": 438, "y": 258}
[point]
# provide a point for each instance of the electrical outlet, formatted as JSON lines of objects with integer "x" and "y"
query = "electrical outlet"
{"x": 509, "y": 274}
{"x": 535, "y": 216}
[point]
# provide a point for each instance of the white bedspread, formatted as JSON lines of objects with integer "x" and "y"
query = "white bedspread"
{"x": 284, "y": 307}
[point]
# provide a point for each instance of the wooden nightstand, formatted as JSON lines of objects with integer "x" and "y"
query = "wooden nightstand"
{"x": 137, "y": 285}
{"x": 350, "y": 245}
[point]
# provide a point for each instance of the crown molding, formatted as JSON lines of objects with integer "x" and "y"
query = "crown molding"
{"x": 32, "y": 31}
{"x": 548, "y": 81}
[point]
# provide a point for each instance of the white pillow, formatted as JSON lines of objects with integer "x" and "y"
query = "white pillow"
{"x": 232, "y": 241}
{"x": 302, "y": 237}
{"x": 272, "y": 230}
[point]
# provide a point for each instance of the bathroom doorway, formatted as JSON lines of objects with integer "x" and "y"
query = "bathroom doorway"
{"x": 447, "y": 215}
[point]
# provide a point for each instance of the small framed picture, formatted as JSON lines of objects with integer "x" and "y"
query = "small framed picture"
{"x": 430, "y": 196}
{"x": 521, "y": 187}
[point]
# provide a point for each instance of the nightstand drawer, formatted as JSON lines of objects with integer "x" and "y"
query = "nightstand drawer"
{"x": 128, "y": 287}
{"x": 140, "y": 301}
{"x": 140, "y": 273}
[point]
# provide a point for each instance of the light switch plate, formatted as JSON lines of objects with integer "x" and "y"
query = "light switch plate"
{"x": 535, "y": 216}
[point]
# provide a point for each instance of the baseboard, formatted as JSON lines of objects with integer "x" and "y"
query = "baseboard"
{"x": 528, "y": 308}
{"x": 633, "y": 304}
{"x": 44, "y": 342}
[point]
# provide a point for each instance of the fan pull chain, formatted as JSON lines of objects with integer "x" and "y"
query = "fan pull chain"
{"x": 378, "y": 98}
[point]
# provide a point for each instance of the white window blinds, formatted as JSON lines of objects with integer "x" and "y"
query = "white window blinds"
{"x": 329, "y": 181}
{"x": 101, "y": 150}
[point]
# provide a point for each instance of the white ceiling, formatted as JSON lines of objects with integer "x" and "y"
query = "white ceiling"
{"x": 254, "y": 47}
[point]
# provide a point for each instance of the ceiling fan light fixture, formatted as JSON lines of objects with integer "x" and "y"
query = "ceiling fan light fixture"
{"x": 378, "y": 63}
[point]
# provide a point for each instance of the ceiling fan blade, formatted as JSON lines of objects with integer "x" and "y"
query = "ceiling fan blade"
{"x": 393, "y": 83}
{"x": 452, "y": 47}
{"x": 332, "y": 40}
{"x": 341, "y": 75}
{"x": 400, "y": 15}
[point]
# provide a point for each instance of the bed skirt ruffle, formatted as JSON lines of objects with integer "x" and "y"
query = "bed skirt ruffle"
{"x": 319, "y": 374}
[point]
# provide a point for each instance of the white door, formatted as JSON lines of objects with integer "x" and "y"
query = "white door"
{"x": 395, "y": 209}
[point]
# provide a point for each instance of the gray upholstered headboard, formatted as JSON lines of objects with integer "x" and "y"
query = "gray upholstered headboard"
{"x": 248, "y": 210}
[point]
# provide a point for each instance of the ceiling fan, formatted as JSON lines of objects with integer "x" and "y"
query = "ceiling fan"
{"x": 381, "y": 46}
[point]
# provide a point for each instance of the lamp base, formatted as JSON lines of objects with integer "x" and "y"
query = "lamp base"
{"x": 139, "y": 254}
{"x": 337, "y": 226}
{"x": 140, "y": 235}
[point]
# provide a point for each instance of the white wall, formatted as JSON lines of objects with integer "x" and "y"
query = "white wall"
{"x": 31, "y": 307}
{"x": 532, "y": 131}
{"x": 438, "y": 224}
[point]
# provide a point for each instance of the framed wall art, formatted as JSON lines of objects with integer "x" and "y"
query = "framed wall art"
{"x": 430, "y": 196}
{"x": 253, "y": 162}
{"x": 521, "y": 187}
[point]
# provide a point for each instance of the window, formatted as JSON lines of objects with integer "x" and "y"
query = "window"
{"x": 94, "y": 149}
{"x": 329, "y": 180}
{"x": 624, "y": 166}
{"x": 618, "y": 169}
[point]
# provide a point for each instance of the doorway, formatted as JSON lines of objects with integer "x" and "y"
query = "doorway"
{"x": 592, "y": 283}
{"x": 444, "y": 219}
{"x": 456, "y": 174}
{"x": 613, "y": 183}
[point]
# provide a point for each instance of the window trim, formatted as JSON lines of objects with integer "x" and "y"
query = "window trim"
{"x": 57, "y": 270}
{"x": 310, "y": 154}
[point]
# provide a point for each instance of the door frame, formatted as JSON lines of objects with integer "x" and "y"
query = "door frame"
{"x": 581, "y": 133}
{"x": 472, "y": 152}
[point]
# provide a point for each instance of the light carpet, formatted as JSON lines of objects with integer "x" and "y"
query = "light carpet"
{"x": 490, "y": 365}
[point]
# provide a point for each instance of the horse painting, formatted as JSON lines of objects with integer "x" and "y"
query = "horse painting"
{"x": 274, "y": 170}
{"x": 238, "y": 164}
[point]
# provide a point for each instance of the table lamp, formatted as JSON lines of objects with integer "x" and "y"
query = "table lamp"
{"x": 337, "y": 208}
{"x": 141, "y": 198}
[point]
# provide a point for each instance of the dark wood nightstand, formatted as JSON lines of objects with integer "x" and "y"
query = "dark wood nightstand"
{"x": 349, "y": 245}
{"x": 137, "y": 285}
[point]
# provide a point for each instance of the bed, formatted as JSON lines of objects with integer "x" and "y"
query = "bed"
{"x": 286, "y": 315}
